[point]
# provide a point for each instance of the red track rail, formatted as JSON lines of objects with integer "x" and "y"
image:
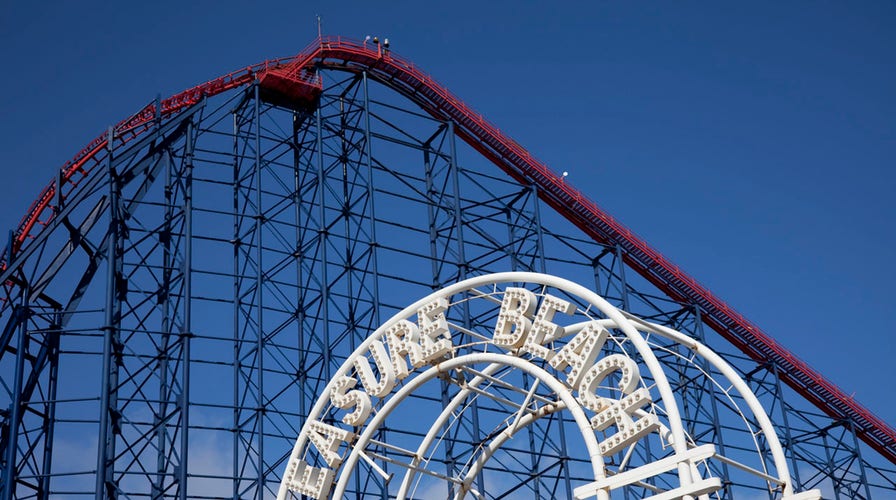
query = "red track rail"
{"x": 486, "y": 138}
{"x": 84, "y": 163}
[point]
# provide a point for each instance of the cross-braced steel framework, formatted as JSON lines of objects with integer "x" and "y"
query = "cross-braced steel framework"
{"x": 178, "y": 297}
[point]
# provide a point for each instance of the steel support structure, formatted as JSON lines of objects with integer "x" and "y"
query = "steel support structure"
{"x": 180, "y": 295}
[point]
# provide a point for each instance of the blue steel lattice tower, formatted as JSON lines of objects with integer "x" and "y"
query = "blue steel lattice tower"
{"x": 177, "y": 298}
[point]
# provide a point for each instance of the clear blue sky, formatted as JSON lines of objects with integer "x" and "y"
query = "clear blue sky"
{"x": 752, "y": 143}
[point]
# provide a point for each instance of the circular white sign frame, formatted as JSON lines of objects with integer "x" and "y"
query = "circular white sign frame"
{"x": 535, "y": 332}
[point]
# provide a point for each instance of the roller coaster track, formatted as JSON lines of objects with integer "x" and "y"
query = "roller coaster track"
{"x": 295, "y": 76}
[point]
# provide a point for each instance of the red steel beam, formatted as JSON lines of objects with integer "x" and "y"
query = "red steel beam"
{"x": 487, "y": 139}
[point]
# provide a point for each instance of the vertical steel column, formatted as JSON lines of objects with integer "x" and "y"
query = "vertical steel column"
{"x": 623, "y": 283}
{"x": 10, "y": 472}
{"x": 302, "y": 374}
{"x": 372, "y": 214}
{"x": 596, "y": 264}
{"x": 789, "y": 444}
{"x": 58, "y": 196}
{"x": 462, "y": 267}
{"x": 187, "y": 326}
{"x": 322, "y": 243}
{"x": 845, "y": 453}
{"x": 431, "y": 217}
{"x": 533, "y": 450}
{"x": 53, "y": 339}
{"x": 248, "y": 337}
{"x": 105, "y": 481}
{"x": 511, "y": 239}
{"x": 709, "y": 390}
{"x": 595, "y": 269}
{"x": 259, "y": 304}
{"x": 9, "y": 244}
{"x": 564, "y": 450}
{"x": 832, "y": 469}
{"x": 345, "y": 214}
{"x": 543, "y": 268}
{"x": 530, "y": 431}
{"x": 626, "y": 305}
{"x": 458, "y": 215}
{"x": 863, "y": 476}
{"x": 374, "y": 243}
{"x": 450, "y": 463}
{"x": 237, "y": 304}
{"x": 159, "y": 419}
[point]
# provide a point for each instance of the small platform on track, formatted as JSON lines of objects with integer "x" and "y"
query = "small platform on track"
{"x": 294, "y": 89}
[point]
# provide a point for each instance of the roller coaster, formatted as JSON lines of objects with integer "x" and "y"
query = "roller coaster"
{"x": 180, "y": 295}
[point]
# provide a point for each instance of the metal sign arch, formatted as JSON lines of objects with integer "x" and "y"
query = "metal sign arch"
{"x": 532, "y": 334}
